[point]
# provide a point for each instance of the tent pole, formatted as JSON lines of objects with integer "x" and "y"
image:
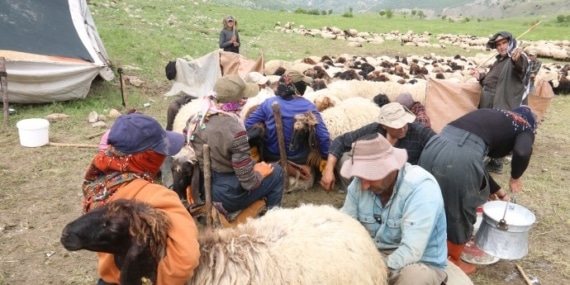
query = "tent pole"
{"x": 4, "y": 84}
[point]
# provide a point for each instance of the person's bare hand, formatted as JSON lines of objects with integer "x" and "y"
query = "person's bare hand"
{"x": 475, "y": 73}
{"x": 515, "y": 185}
{"x": 328, "y": 179}
{"x": 263, "y": 168}
{"x": 516, "y": 54}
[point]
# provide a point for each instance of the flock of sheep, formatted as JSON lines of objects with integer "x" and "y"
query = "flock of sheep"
{"x": 558, "y": 50}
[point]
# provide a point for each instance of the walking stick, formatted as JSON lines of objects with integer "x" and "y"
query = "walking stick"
{"x": 281, "y": 142}
{"x": 520, "y": 36}
{"x": 207, "y": 185}
{"x": 4, "y": 85}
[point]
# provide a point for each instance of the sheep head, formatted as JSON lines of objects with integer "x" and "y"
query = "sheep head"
{"x": 134, "y": 232}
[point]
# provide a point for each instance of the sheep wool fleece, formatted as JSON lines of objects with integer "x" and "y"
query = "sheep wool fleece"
{"x": 182, "y": 248}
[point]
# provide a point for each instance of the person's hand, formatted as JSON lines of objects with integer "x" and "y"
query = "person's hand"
{"x": 516, "y": 53}
{"x": 515, "y": 185}
{"x": 263, "y": 168}
{"x": 475, "y": 73}
{"x": 328, "y": 179}
{"x": 532, "y": 76}
{"x": 500, "y": 195}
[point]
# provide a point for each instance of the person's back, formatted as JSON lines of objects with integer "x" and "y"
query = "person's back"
{"x": 290, "y": 105}
{"x": 237, "y": 180}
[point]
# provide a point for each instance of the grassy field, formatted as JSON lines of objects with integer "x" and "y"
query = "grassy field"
{"x": 40, "y": 186}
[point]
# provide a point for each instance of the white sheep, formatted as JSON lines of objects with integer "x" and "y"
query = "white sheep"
{"x": 349, "y": 115}
{"x": 306, "y": 245}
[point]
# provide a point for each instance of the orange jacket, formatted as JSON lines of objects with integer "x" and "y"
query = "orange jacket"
{"x": 182, "y": 248}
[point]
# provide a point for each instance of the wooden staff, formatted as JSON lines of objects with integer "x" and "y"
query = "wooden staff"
{"x": 281, "y": 142}
{"x": 96, "y": 134}
{"x": 207, "y": 185}
{"x": 528, "y": 282}
{"x": 4, "y": 86}
{"x": 81, "y": 145}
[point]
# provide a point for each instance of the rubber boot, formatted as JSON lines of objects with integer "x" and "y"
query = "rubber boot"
{"x": 454, "y": 255}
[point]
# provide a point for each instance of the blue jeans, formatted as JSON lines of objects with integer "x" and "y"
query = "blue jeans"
{"x": 227, "y": 189}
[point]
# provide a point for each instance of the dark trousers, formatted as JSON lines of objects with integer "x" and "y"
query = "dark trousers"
{"x": 455, "y": 158}
{"x": 227, "y": 189}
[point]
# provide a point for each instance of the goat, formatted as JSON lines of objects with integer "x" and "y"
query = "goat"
{"x": 285, "y": 246}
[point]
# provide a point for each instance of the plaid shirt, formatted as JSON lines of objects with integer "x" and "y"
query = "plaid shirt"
{"x": 421, "y": 114}
{"x": 414, "y": 142}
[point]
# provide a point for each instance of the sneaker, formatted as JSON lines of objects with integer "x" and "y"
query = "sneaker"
{"x": 495, "y": 165}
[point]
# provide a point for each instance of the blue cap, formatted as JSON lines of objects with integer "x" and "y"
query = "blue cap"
{"x": 135, "y": 133}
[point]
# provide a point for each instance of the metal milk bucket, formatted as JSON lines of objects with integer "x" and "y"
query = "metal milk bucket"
{"x": 504, "y": 230}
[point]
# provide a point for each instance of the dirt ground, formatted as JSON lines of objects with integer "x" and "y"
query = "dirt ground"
{"x": 40, "y": 193}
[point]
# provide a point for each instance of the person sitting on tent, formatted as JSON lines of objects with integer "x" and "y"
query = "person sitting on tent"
{"x": 401, "y": 206}
{"x": 237, "y": 180}
{"x": 229, "y": 36}
{"x": 416, "y": 107}
{"x": 289, "y": 93}
{"x": 455, "y": 158}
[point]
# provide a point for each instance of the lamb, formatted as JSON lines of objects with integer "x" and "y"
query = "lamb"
{"x": 285, "y": 246}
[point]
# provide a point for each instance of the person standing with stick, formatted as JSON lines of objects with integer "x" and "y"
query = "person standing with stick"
{"x": 229, "y": 36}
{"x": 507, "y": 83}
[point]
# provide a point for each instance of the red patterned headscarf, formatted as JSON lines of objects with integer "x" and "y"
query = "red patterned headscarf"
{"x": 110, "y": 169}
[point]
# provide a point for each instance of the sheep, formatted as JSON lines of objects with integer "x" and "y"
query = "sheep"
{"x": 349, "y": 115}
{"x": 173, "y": 109}
{"x": 134, "y": 232}
{"x": 285, "y": 246}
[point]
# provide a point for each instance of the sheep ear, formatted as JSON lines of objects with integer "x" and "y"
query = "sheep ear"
{"x": 131, "y": 267}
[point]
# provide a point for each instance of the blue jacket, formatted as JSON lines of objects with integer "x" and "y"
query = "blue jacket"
{"x": 289, "y": 108}
{"x": 412, "y": 223}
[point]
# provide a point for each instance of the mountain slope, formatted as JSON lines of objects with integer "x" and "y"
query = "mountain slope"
{"x": 431, "y": 8}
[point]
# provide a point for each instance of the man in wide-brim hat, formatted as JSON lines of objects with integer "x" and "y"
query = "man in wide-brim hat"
{"x": 401, "y": 206}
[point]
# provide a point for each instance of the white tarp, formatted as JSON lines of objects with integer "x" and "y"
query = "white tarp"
{"x": 196, "y": 77}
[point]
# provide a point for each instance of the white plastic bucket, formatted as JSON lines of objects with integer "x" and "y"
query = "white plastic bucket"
{"x": 33, "y": 132}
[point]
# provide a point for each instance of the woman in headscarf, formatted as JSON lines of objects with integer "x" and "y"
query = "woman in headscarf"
{"x": 136, "y": 147}
{"x": 455, "y": 158}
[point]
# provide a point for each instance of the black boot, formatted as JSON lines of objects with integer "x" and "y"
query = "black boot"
{"x": 102, "y": 282}
{"x": 495, "y": 165}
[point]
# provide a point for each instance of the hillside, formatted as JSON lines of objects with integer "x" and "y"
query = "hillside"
{"x": 431, "y": 8}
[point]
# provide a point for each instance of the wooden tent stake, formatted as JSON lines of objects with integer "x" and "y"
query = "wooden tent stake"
{"x": 4, "y": 87}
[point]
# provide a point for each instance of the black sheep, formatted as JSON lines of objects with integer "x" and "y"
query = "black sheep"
{"x": 133, "y": 232}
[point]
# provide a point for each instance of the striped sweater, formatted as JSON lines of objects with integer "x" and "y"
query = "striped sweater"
{"x": 229, "y": 149}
